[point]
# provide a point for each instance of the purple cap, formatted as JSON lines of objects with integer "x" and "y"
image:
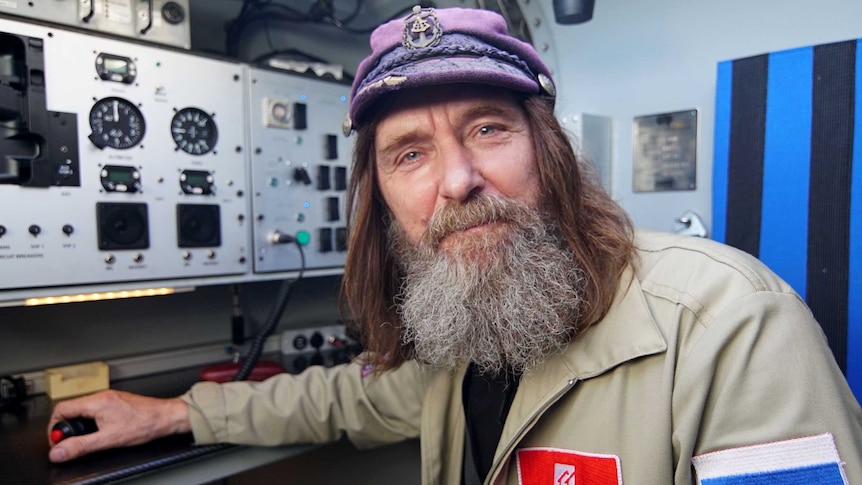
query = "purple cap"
{"x": 451, "y": 45}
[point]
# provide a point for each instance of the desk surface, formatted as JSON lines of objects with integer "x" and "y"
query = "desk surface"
{"x": 24, "y": 449}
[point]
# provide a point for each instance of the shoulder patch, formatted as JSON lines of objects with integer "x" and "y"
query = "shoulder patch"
{"x": 813, "y": 459}
{"x": 555, "y": 466}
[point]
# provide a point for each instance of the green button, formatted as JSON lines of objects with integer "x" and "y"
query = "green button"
{"x": 303, "y": 238}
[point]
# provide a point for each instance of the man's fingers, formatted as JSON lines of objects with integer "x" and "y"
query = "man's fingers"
{"x": 58, "y": 454}
{"x": 74, "y": 447}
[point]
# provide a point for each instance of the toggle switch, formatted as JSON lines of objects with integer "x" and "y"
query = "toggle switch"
{"x": 300, "y": 175}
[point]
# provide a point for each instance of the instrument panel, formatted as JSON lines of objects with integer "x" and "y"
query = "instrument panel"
{"x": 299, "y": 175}
{"x": 131, "y": 165}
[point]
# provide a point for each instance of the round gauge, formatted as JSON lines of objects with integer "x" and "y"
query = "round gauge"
{"x": 194, "y": 131}
{"x": 116, "y": 123}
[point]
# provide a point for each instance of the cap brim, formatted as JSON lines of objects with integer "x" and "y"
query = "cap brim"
{"x": 443, "y": 70}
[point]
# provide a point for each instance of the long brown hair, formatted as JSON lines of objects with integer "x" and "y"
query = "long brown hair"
{"x": 596, "y": 228}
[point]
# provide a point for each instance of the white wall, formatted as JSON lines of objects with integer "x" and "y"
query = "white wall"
{"x": 640, "y": 57}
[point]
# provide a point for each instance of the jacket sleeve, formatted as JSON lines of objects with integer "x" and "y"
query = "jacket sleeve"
{"x": 317, "y": 406}
{"x": 761, "y": 371}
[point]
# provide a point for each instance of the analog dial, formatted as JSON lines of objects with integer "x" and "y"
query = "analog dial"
{"x": 116, "y": 123}
{"x": 194, "y": 131}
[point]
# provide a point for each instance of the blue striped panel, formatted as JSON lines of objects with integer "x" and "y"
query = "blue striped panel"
{"x": 826, "y": 474}
{"x": 786, "y": 164}
{"x": 721, "y": 149}
{"x": 854, "y": 300}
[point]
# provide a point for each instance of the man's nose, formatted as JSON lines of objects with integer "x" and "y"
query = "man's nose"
{"x": 460, "y": 177}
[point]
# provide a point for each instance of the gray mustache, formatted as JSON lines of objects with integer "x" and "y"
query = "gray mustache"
{"x": 477, "y": 211}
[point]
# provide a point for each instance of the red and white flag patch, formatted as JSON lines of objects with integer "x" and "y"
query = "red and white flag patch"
{"x": 554, "y": 466}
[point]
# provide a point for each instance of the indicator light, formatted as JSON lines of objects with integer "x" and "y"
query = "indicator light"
{"x": 303, "y": 238}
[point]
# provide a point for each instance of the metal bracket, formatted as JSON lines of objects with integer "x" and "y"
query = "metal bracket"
{"x": 690, "y": 224}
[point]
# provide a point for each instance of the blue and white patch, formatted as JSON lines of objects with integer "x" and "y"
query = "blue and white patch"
{"x": 813, "y": 459}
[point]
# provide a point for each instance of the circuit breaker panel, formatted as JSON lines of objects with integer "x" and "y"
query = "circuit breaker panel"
{"x": 121, "y": 162}
{"x": 299, "y": 170}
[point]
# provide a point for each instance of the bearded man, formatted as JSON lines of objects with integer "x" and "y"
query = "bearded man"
{"x": 511, "y": 316}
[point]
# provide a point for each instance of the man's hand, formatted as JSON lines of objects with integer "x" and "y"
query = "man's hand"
{"x": 123, "y": 419}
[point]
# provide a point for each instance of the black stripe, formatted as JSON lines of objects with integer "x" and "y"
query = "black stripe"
{"x": 745, "y": 153}
{"x": 829, "y": 192}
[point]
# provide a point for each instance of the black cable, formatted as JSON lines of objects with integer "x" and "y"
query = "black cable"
{"x": 152, "y": 465}
{"x": 272, "y": 320}
{"x": 149, "y": 17}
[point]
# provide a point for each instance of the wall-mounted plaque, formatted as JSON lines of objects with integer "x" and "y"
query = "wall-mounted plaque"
{"x": 665, "y": 152}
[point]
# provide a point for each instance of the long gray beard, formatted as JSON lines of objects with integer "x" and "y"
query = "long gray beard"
{"x": 504, "y": 299}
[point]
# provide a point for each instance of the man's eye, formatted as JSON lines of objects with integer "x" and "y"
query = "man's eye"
{"x": 487, "y": 130}
{"x": 410, "y": 157}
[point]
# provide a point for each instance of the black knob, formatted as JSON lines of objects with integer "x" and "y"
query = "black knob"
{"x": 72, "y": 427}
{"x": 34, "y": 230}
{"x": 2, "y": 230}
{"x": 316, "y": 340}
{"x": 173, "y": 13}
{"x": 68, "y": 229}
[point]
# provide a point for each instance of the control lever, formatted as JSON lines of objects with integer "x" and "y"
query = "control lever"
{"x": 14, "y": 152}
{"x": 300, "y": 175}
{"x": 72, "y": 427}
{"x": 690, "y": 224}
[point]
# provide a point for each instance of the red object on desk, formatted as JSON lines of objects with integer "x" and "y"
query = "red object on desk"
{"x": 225, "y": 372}
{"x": 72, "y": 427}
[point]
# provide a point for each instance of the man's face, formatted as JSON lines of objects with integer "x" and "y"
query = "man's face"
{"x": 485, "y": 277}
{"x": 446, "y": 145}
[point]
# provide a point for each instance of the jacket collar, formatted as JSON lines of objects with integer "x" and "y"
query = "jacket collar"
{"x": 627, "y": 332}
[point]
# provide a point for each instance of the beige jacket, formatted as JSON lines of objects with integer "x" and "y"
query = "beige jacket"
{"x": 703, "y": 350}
